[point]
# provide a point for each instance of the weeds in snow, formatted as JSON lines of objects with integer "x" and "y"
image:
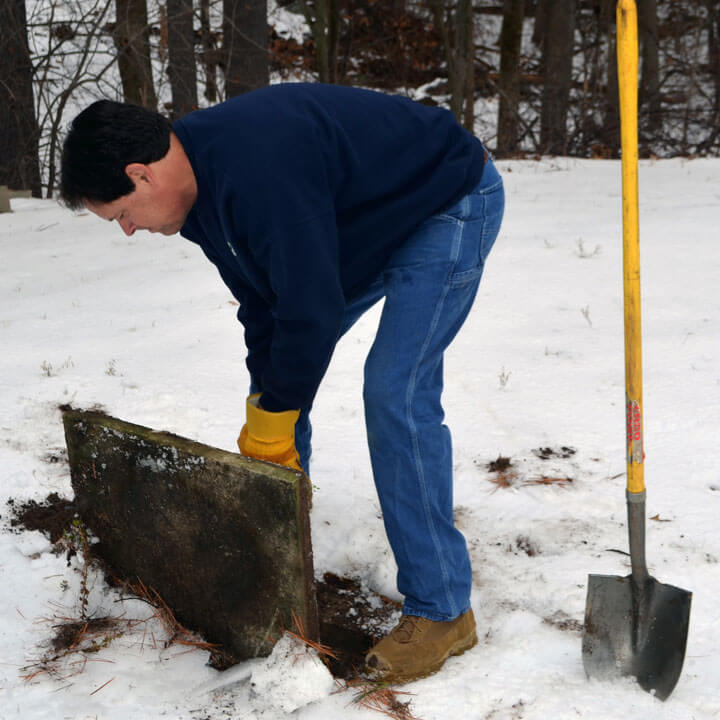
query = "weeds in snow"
{"x": 583, "y": 253}
{"x": 504, "y": 377}
{"x": 586, "y": 314}
{"x": 50, "y": 371}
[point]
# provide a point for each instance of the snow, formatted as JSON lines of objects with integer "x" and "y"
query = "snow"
{"x": 143, "y": 327}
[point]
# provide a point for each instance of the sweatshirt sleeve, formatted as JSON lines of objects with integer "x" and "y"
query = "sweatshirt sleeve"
{"x": 308, "y": 313}
{"x": 292, "y": 236}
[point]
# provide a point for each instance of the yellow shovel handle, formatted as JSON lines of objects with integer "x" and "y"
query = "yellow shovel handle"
{"x": 627, "y": 50}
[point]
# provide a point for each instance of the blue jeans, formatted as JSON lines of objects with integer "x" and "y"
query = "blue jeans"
{"x": 429, "y": 286}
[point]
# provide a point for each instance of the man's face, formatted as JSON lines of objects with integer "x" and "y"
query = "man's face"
{"x": 151, "y": 206}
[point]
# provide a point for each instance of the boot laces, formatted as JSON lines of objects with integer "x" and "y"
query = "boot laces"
{"x": 406, "y": 628}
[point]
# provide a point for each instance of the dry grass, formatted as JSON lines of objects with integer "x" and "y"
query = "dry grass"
{"x": 657, "y": 518}
{"x": 82, "y": 637}
{"x": 510, "y": 479}
{"x": 77, "y": 639}
{"x": 301, "y": 636}
{"x": 545, "y": 480}
{"x": 177, "y": 634}
{"x": 382, "y": 698}
{"x": 503, "y": 480}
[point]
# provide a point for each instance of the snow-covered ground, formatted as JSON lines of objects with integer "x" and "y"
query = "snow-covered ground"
{"x": 144, "y": 327}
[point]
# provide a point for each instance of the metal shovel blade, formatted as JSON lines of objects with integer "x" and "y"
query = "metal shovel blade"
{"x": 636, "y": 631}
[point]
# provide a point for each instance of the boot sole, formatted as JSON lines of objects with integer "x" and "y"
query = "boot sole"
{"x": 460, "y": 647}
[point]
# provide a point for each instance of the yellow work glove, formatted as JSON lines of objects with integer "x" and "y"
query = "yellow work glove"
{"x": 269, "y": 435}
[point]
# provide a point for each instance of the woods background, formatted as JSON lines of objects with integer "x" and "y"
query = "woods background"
{"x": 529, "y": 77}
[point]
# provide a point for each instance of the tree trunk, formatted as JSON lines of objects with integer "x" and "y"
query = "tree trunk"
{"x": 540, "y": 22}
{"x": 132, "y": 40}
{"x": 557, "y": 57}
{"x": 181, "y": 57}
{"x": 713, "y": 32}
{"x": 465, "y": 44}
{"x": 245, "y": 46}
{"x": 19, "y": 165}
{"x": 650, "y": 79}
{"x": 208, "y": 52}
{"x": 459, "y": 56}
{"x": 323, "y": 18}
{"x": 611, "y": 111}
{"x": 509, "y": 85}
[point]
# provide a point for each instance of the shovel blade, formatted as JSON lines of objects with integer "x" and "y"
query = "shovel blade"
{"x": 636, "y": 631}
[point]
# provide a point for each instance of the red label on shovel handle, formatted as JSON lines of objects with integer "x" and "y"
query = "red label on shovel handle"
{"x": 633, "y": 417}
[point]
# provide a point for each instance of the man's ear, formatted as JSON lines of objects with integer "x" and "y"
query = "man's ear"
{"x": 140, "y": 173}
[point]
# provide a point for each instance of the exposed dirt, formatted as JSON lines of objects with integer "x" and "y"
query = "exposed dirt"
{"x": 53, "y": 516}
{"x": 500, "y": 465}
{"x": 352, "y": 617}
{"x": 547, "y": 453}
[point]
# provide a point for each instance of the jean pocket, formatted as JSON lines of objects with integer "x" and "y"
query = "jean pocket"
{"x": 465, "y": 277}
{"x": 478, "y": 235}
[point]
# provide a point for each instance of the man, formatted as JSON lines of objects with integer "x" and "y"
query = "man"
{"x": 314, "y": 202}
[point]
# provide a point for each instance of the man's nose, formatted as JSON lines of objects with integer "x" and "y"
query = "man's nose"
{"x": 127, "y": 226}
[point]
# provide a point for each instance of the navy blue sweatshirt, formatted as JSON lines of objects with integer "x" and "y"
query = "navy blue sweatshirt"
{"x": 304, "y": 192}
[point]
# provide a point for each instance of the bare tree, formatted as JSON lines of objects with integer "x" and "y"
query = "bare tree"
{"x": 245, "y": 45}
{"x": 71, "y": 59}
{"x": 456, "y": 27}
{"x": 650, "y": 101}
{"x": 132, "y": 40}
{"x": 713, "y": 34}
{"x": 181, "y": 57}
{"x": 209, "y": 52}
{"x": 557, "y": 18}
{"x": 19, "y": 166}
{"x": 611, "y": 109}
{"x": 509, "y": 84}
{"x": 323, "y": 17}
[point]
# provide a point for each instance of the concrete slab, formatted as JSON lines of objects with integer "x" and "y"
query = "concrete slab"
{"x": 224, "y": 539}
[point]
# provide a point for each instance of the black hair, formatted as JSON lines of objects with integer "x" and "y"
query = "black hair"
{"x": 103, "y": 139}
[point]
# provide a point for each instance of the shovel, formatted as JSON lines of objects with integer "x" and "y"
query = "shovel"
{"x": 634, "y": 625}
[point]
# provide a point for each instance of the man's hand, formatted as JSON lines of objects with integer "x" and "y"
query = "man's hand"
{"x": 269, "y": 435}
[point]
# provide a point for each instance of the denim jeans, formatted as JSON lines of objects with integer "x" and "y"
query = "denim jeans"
{"x": 429, "y": 286}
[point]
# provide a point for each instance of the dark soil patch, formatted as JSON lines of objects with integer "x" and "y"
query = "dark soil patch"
{"x": 352, "y": 618}
{"x": 53, "y": 516}
{"x": 500, "y": 465}
{"x": 547, "y": 453}
{"x": 526, "y": 545}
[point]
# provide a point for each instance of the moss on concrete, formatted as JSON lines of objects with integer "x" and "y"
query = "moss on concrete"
{"x": 224, "y": 539}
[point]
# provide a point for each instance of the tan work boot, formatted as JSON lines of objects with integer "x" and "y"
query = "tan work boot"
{"x": 417, "y": 647}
